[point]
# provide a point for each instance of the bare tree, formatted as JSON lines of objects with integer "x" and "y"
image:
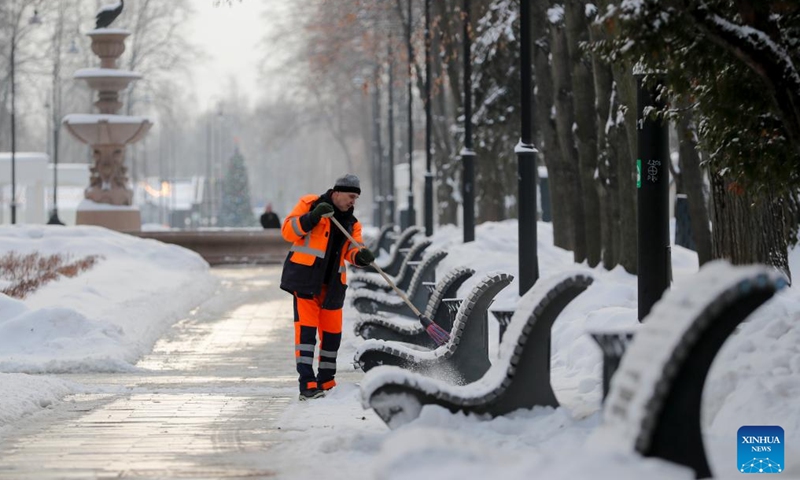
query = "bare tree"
{"x": 608, "y": 187}
{"x": 621, "y": 132}
{"x": 565, "y": 118}
{"x": 158, "y": 48}
{"x": 16, "y": 28}
{"x": 585, "y": 124}
{"x": 546, "y": 125}
{"x": 692, "y": 180}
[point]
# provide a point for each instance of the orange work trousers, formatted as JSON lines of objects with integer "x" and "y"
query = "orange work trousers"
{"x": 310, "y": 321}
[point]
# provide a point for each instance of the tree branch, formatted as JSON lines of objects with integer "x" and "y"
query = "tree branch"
{"x": 766, "y": 58}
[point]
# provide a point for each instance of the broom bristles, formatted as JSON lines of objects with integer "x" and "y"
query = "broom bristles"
{"x": 437, "y": 333}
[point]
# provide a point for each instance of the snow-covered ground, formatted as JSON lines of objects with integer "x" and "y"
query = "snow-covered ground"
{"x": 108, "y": 317}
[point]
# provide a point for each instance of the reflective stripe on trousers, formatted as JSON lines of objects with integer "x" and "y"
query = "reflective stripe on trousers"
{"x": 310, "y": 321}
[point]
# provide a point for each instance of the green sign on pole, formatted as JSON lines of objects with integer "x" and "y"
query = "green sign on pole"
{"x": 638, "y": 173}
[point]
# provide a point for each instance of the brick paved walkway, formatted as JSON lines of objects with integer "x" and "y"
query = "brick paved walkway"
{"x": 206, "y": 397}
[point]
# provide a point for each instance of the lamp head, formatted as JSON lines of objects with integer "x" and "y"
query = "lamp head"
{"x": 35, "y": 19}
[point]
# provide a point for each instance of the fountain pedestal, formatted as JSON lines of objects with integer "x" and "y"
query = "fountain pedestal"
{"x": 108, "y": 199}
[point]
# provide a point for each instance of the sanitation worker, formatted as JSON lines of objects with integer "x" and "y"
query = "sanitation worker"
{"x": 314, "y": 272}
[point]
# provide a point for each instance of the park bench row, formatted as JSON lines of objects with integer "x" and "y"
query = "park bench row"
{"x": 653, "y": 399}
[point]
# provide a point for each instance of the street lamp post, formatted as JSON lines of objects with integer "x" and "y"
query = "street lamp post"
{"x": 56, "y": 102}
{"x": 54, "y": 220}
{"x": 377, "y": 150}
{"x": 390, "y": 93}
{"x": 35, "y": 20}
{"x": 13, "y": 131}
{"x": 411, "y": 216}
{"x": 652, "y": 196}
{"x": 526, "y": 162}
{"x": 220, "y": 134}
{"x": 207, "y": 184}
{"x": 467, "y": 154}
{"x": 428, "y": 125}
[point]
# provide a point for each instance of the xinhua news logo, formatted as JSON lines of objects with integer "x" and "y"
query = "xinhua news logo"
{"x": 760, "y": 449}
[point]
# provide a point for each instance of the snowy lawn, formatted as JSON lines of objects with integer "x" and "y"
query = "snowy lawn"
{"x": 104, "y": 319}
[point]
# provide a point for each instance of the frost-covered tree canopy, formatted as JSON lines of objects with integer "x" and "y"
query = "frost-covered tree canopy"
{"x": 737, "y": 60}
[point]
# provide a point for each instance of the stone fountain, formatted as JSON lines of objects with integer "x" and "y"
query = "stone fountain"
{"x": 109, "y": 199}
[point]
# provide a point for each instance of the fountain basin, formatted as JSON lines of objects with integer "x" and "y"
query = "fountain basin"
{"x": 105, "y": 129}
{"x": 106, "y": 79}
{"x": 108, "y": 44}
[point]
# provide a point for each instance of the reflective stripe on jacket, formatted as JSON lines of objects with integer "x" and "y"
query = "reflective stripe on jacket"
{"x": 304, "y": 267}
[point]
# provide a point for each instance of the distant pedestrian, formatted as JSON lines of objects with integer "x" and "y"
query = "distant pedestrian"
{"x": 315, "y": 273}
{"x": 270, "y": 219}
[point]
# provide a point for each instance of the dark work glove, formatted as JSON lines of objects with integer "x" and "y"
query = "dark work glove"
{"x": 321, "y": 210}
{"x": 364, "y": 257}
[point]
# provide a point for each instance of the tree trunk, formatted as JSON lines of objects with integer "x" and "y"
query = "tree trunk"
{"x": 586, "y": 130}
{"x": 692, "y": 179}
{"x": 449, "y": 62}
{"x": 607, "y": 160}
{"x": 608, "y": 188}
{"x": 570, "y": 192}
{"x": 625, "y": 144}
{"x": 545, "y": 123}
{"x": 737, "y": 214}
{"x": 493, "y": 184}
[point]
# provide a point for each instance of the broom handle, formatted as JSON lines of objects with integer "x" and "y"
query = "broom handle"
{"x": 383, "y": 274}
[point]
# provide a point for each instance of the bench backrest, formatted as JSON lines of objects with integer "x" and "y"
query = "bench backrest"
{"x": 657, "y": 392}
{"x": 469, "y": 339}
{"x": 404, "y": 275}
{"x": 381, "y": 241}
{"x": 392, "y": 265}
{"x": 447, "y": 288}
{"x": 524, "y": 357}
{"x": 425, "y": 271}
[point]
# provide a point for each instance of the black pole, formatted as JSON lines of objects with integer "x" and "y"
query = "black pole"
{"x": 209, "y": 154}
{"x": 54, "y": 220}
{"x": 411, "y": 216}
{"x": 428, "y": 125}
{"x": 390, "y": 196}
{"x": 467, "y": 154}
{"x": 526, "y": 162}
{"x": 13, "y": 133}
{"x": 220, "y": 136}
{"x": 652, "y": 182}
{"x": 377, "y": 206}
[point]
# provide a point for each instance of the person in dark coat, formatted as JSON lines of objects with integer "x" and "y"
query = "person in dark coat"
{"x": 270, "y": 219}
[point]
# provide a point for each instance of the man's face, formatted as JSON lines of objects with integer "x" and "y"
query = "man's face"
{"x": 344, "y": 200}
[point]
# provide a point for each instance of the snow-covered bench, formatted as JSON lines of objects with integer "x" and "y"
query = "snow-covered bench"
{"x": 463, "y": 359}
{"x": 409, "y": 329}
{"x": 392, "y": 264}
{"x": 371, "y": 301}
{"x": 375, "y": 281}
{"x": 383, "y": 240}
{"x": 520, "y": 378}
{"x": 653, "y": 406}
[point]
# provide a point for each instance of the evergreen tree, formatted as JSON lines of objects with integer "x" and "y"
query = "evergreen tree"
{"x": 236, "y": 210}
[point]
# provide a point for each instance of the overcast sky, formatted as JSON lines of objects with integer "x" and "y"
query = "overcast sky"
{"x": 230, "y": 37}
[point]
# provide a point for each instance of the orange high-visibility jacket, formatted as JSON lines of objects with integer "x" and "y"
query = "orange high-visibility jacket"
{"x": 305, "y": 265}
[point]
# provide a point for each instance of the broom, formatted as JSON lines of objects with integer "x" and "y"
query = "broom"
{"x": 437, "y": 333}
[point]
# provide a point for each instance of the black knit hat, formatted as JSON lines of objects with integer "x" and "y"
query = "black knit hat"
{"x": 347, "y": 183}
